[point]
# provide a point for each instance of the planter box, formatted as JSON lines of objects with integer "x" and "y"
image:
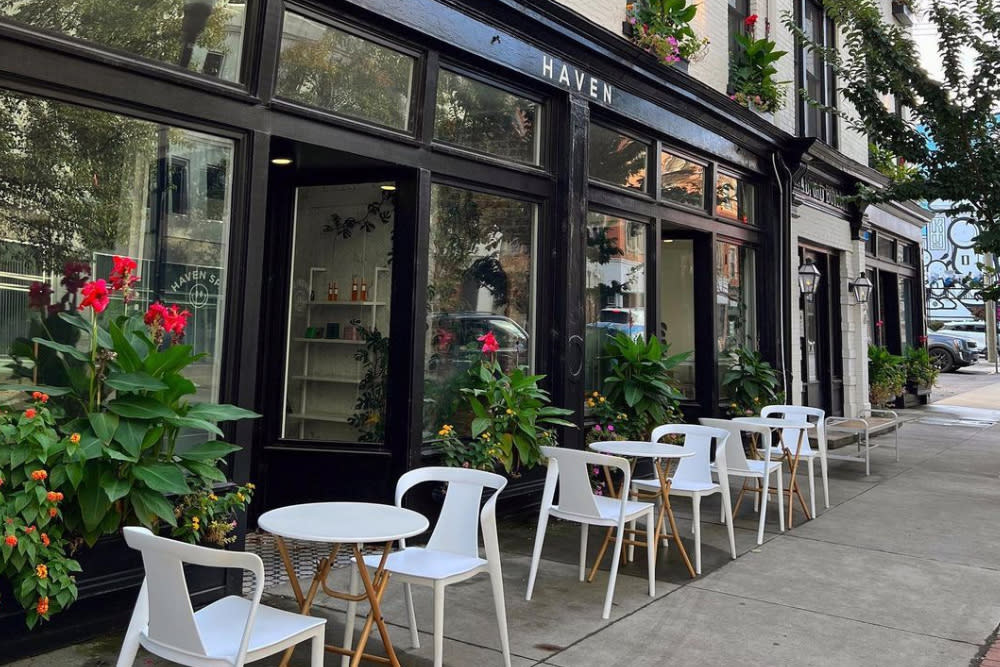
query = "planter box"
{"x": 913, "y": 396}
{"x": 108, "y": 586}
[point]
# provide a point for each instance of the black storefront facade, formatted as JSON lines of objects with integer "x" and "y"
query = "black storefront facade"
{"x": 332, "y": 215}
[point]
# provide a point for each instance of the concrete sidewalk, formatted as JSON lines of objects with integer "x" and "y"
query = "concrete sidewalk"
{"x": 903, "y": 569}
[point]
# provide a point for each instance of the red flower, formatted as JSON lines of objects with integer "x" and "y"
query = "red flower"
{"x": 45, "y": 539}
{"x": 52, "y": 496}
{"x": 75, "y": 275}
{"x": 30, "y": 413}
{"x": 155, "y": 314}
{"x": 53, "y": 512}
{"x": 39, "y": 475}
{"x": 10, "y": 541}
{"x": 43, "y": 606}
{"x": 879, "y": 323}
{"x": 39, "y": 396}
{"x": 175, "y": 321}
{"x": 38, "y": 295}
{"x": 489, "y": 342}
{"x": 29, "y": 530}
{"x": 750, "y": 21}
{"x": 123, "y": 274}
{"x": 95, "y": 295}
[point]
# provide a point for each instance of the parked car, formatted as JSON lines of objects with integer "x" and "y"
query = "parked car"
{"x": 974, "y": 330}
{"x": 454, "y": 338}
{"x": 631, "y": 321}
{"x": 950, "y": 352}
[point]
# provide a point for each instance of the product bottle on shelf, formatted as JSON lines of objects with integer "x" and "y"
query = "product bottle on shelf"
{"x": 336, "y": 292}
{"x": 329, "y": 291}
{"x": 364, "y": 290}
{"x": 354, "y": 288}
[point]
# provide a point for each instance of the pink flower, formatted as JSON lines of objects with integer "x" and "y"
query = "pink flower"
{"x": 597, "y": 427}
{"x": 489, "y": 342}
{"x": 95, "y": 295}
{"x": 671, "y": 40}
{"x": 611, "y": 427}
{"x": 123, "y": 273}
{"x": 879, "y": 323}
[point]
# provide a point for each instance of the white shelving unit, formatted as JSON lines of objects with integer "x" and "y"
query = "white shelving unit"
{"x": 310, "y": 377}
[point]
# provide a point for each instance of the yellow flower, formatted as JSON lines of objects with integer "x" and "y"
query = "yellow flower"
{"x": 596, "y": 394}
{"x": 213, "y": 497}
{"x": 590, "y": 403}
{"x": 601, "y": 399}
{"x": 251, "y": 486}
{"x": 509, "y": 411}
{"x": 485, "y": 436}
{"x": 42, "y": 571}
{"x": 240, "y": 497}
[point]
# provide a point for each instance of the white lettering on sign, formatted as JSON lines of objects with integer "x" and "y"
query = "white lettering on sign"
{"x": 576, "y": 79}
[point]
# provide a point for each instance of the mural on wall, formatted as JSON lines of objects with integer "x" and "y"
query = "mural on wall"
{"x": 952, "y": 273}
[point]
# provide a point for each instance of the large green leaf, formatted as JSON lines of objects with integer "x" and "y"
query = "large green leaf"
{"x": 114, "y": 487}
{"x": 204, "y": 470}
{"x": 199, "y": 424}
{"x": 170, "y": 360}
{"x": 140, "y": 407}
{"x": 149, "y": 505}
{"x": 215, "y": 412}
{"x": 45, "y": 389}
{"x": 93, "y": 503}
{"x": 162, "y": 477}
{"x": 138, "y": 381}
{"x": 130, "y": 435}
{"x": 209, "y": 451}
{"x": 68, "y": 350}
{"x": 128, "y": 358}
{"x": 104, "y": 424}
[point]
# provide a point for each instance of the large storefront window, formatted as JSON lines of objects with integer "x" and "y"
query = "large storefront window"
{"x": 677, "y": 307}
{"x": 682, "y": 181}
{"x": 618, "y": 159}
{"x": 333, "y": 70}
{"x": 79, "y": 186}
{"x": 337, "y": 361}
{"x": 615, "y": 299}
{"x": 203, "y": 36}
{"x": 480, "y": 278}
{"x": 735, "y": 300}
{"x": 487, "y": 119}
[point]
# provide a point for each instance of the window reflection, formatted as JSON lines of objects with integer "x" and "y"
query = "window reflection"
{"x": 617, "y": 159}
{"x": 337, "y": 71}
{"x": 615, "y": 298}
{"x": 79, "y": 186}
{"x": 479, "y": 279}
{"x": 735, "y": 300}
{"x": 677, "y": 307}
{"x": 735, "y": 199}
{"x": 682, "y": 181}
{"x": 486, "y": 119}
{"x": 199, "y": 35}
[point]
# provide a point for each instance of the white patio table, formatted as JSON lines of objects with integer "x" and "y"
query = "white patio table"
{"x": 793, "y": 459}
{"x": 665, "y": 458}
{"x": 340, "y": 523}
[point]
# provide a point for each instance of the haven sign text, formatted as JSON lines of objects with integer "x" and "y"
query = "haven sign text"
{"x": 575, "y": 79}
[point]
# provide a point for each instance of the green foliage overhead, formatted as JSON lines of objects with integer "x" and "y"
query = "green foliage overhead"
{"x": 949, "y": 128}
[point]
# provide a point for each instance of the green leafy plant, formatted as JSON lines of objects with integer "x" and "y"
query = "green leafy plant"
{"x": 369, "y": 408}
{"x": 610, "y": 423}
{"x": 641, "y": 383}
{"x": 34, "y": 552}
{"x": 752, "y": 71}
{"x": 512, "y": 418}
{"x": 920, "y": 369}
{"x": 750, "y": 382}
{"x": 205, "y": 517}
{"x": 663, "y": 29}
{"x": 886, "y": 376}
{"x": 128, "y": 402}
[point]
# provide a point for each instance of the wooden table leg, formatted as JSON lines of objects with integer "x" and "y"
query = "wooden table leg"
{"x": 662, "y": 471}
{"x": 374, "y": 588}
{"x": 305, "y": 601}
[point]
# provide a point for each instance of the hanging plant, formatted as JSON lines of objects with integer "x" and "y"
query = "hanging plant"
{"x": 663, "y": 29}
{"x": 752, "y": 71}
{"x": 377, "y": 212}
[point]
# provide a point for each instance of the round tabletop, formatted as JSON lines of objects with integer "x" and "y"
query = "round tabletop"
{"x": 343, "y": 523}
{"x": 775, "y": 422}
{"x": 641, "y": 448}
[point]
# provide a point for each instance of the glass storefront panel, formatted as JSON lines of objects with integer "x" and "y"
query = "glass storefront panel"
{"x": 677, "y": 306}
{"x": 334, "y": 70}
{"x": 618, "y": 159}
{"x": 483, "y": 118}
{"x": 615, "y": 297}
{"x": 480, "y": 278}
{"x": 204, "y": 36}
{"x": 682, "y": 181}
{"x": 337, "y": 371}
{"x": 906, "y": 311}
{"x": 735, "y": 199}
{"x": 79, "y": 186}
{"x": 735, "y": 301}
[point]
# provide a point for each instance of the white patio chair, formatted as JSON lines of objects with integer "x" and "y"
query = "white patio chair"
{"x": 790, "y": 437}
{"x": 693, "y": 476}
{"x": 451, "y": 554}
{"x": 570, "y": 469}
{"x": 738, "y": 465}
{"x": 231, "y": 631}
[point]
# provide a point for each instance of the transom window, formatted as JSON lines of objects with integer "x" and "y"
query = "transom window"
{"x": 682, "y": 181}
{"x": 735, "y": 199}
{"x": 618, "y": 159}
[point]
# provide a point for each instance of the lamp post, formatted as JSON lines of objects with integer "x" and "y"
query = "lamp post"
{"x": 862, "y": 288}
{"x": 809, "y": 277}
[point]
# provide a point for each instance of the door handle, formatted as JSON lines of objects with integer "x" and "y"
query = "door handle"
{"x": 575, "y": 344}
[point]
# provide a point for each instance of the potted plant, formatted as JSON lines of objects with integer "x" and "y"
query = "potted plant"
{"x": 641, "y": 385}
{"x": 752, "y": 70}
{"x": 921, "y": 374}
{"x": 886, "y": 376}
{"x": 750, "y": 383}
{"x": 102, "y": 451}
{"x": 663, "y": 29}
{"x": 511, "y": 418}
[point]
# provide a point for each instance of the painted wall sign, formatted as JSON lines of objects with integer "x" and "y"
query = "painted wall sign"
{"x": 571, "y": 78}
